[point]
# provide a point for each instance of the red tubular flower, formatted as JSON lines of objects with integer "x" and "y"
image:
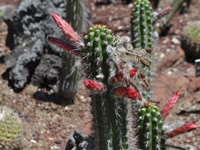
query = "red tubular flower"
{"x": 65, "y": 46}
{"x": 93, "y": 86}
{"x": 165, "y": 12}
{"x": 125, "y": 92}
{"x": 117, "y": 78}
{"x": 169, "y": 105}
{"x": 67, "y": 29}
{"x": 132, "y": 73}
{"x": 182, "y": 129}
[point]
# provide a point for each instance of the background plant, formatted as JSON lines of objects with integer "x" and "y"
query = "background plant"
{"x": 10, "y": 129}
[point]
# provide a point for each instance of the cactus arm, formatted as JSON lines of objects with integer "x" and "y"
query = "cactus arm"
{"x": 142, "y": 37}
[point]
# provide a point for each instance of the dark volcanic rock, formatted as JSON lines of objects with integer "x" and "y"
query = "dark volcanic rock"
{"x": 78, "y": 141}
{"x": 47, "y": 73}
{"x": 24, "y": 66}
{"x": 29, "y": 25}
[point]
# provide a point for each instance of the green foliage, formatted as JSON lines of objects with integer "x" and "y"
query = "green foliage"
{"x": 10, "y": 129}
{"x": 190, "y": 41}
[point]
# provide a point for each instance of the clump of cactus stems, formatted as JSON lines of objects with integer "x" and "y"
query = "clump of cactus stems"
{"x": 142, "y": 35}
{"x": 109, "y": 61}
{"x": 190, "y": 41}
{"x": 10, "y": 129}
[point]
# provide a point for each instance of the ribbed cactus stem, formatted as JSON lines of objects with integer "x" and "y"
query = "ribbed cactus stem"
{"x": 150, "y": 132}
{"x": 69, "y": 73}
{"x": 104, "y": 108}
{"x": 142, "y": 36}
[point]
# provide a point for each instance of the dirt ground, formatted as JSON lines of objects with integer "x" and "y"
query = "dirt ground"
{"x": 47, "y": 121}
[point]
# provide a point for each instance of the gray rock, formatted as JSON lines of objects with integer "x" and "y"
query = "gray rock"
{"x": 47, "y": 73}
{"x": 78, "y": 141}
{"x": 29, "y": 24}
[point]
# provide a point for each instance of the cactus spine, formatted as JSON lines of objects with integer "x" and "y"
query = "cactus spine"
{"x": 10, "y": 129}
{"x": 190, "y": 40}
{"x": 69, "y": 83}
{"x": 142, "y": 36}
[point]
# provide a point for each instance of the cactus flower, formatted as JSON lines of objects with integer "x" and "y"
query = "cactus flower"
{"x": 164, "y": 12}
{"x": 67, "y": 30}
{"x": 125, "y": 92}
{"x": 182, "y": 129}
{"x": 93, "y": 86}
{"x": 169, "y": 105}
{"x": 65, "y": 46}
{"x": 132, "y": 73}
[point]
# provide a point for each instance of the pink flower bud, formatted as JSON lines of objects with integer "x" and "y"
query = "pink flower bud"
{"x": 169, "y": 105}
{"x": 67, "y": 30}
{"x": 125, "y": 92}
{"x": 164, "y": 12}
{"x": 65, "y": 46}
{"x": 93, "y": 86}
{"x": 182, "y": 129}
{"x": 132, "y": 73}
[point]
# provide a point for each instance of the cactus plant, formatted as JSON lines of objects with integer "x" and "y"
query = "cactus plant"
{"x": 142, "y": 36}
{"x": 150, "y": 131}
{"x": 109, "y": 61}
{"x": 10, "y": 129}
{"x": 69, "y": 83}
{"x": 104, "y": 70}
{"x": 190, "y": 40}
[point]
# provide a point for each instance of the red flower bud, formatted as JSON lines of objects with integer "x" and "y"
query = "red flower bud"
{"x": 132, "y": 73}
{"x": 67, "y": 29}
{"x": 169, "y": 105}
{"x": 125, "y": 92}
{"x": 93, "y": 86}
{"x": 164, "y": 12}
{"x": 117, "y": 78}
{"x": 182, "y": 129}
{"x": 65, "y": 46}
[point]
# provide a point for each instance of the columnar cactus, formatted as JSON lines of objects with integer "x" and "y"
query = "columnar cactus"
{"x": 69, "y": 83}
{"x": 142, "y": 36}
{"x": 109, "y": 61}
{"x": 10, "y": 129}
{"x": 108, "y": 76}
{"x": 150, "y": 131}
{"x": 190, "y": 41}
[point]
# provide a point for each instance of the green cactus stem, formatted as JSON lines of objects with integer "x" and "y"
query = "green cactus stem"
{"x": 190, "y": 41}
{"x": 106, "y": 123}
{"x": 10, "y": 129}
{"x": 150, "y": 132}
{"x": 142, "y": 37}
{"x": 103, "y": 67}
{"x": 69, "y": 72}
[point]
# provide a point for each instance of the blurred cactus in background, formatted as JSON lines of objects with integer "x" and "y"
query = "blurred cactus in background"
{"x": 190, "y": 41}
{"x": 69, "y": 73}
{"x": 10, "y": 129}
